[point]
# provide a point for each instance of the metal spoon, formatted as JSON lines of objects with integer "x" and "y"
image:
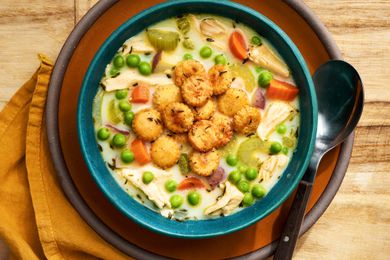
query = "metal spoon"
{"x": 340, "y": 104}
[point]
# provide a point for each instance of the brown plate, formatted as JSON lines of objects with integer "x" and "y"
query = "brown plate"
{"x": 258, "y": 240}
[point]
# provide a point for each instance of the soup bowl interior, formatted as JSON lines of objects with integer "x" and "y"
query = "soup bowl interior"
{"x": 212, "y": 227}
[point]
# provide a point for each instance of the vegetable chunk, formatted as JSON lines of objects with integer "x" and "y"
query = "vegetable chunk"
{"x": 140, "y": 151}
{"x": 237, "y": 44}
{"x": 282, "y": 91}
{"x": 140, "y": 94}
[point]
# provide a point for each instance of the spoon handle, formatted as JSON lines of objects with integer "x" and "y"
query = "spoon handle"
{"x": 293, "y": 224}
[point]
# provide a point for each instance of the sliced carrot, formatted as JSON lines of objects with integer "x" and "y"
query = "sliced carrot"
{"x": 190, "y": 183}
{"x": 238, "y": 46}
{"x": 140, "y": 151}
{"x": 281, "y": 90}
{"x": 140, "y": 94}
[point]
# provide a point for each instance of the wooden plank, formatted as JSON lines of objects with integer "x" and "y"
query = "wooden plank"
{"x": 82, "y": 6}
{"x": 27, "y": 28}
{"x": 362, "y": 31}
{"x": 356, "y": 225}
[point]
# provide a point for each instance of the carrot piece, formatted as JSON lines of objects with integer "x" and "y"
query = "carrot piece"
{"x": 238, "y": 46}
{"x": 140, "y": 94}
{"x": 281, "y": 90}
{"x": 140, "y": 151}
{"x": 190, "y": 183}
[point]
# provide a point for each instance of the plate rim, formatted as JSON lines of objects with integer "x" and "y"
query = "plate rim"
{"x": 75, "y": 197}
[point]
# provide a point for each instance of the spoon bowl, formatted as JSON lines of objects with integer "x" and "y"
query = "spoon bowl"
{"x": 340, "y": 102}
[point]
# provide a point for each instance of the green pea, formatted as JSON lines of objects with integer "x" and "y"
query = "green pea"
{"x": 118, "y": 61}
{"x": 248, "y": 199}
{"x": 251, "y": 174}
{"x": 114, "y": 71}
{"x": 242, "y": 168}
{"x": 234, "y": 176}
{"x": 281, "y": 129}
{"x": 124, "y": 106}
{"x": 127, "y": 156}
{"x": 256, "y": 40}
{"x": 103, "y": 133}
{"x": 259, "y": 69}
{"x": 205, "y": 52}
{"x": 144, "y": 68}
{"x": 176, "y": 201}
{"x": 243, "y": 186}
{"x": 187, "y": 56}
{"x": 147, "y": 177}
{"x": 220, "y": 59}
{"x": 121, "y": 93}
{"x": 193, "y": 198}
{"x": 285, "y": 150}
{"x": 275, "y": 148}
{"x": 129, "y": 116}
{"x": 170, "y": 185}
{"x": 258, "y": 191}
{"x": 133, "y": 60}
{"x": 265, "y": 78}
{"x": 231, "y": 160}
{"x": 119, "y": 140}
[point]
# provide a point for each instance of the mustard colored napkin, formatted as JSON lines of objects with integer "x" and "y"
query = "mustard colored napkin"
{"x": 36, "y": 220}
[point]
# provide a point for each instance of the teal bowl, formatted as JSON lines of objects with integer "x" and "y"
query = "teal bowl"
{"x": 202, "y": 228}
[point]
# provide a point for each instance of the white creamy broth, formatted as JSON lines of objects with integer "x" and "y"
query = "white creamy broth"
{"x": 275, "y": 126}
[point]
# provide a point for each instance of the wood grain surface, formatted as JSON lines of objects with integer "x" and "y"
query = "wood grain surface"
{"x": 357, "y": 223}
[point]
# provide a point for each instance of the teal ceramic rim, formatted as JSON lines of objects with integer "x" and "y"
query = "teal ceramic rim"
{"x": 305, "y": 73}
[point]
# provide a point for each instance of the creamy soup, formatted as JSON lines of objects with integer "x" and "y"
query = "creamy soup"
{"x": 197, "y": 117}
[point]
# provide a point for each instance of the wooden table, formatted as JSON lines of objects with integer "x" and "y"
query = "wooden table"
{"x": 357, "y": 223}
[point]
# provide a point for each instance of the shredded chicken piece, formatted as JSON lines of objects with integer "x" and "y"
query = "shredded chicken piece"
{"x": 271, "y": 165}
{"x": 168, "y": 213}
{"x": 276, "y": 113}
{"x": 166, "y": 63}
{"x": 230, "y": 200}
{"x": 263, "y": 56}
{"x": 194, "y": 22}
{"x": 137, "y": 45}
{"x": 153, "y": 190}
{"x": 126, "y": 79}
{"x": 238, "y": 83}
{"x": 212, "y": 27}
{"x": 219, "y": 44}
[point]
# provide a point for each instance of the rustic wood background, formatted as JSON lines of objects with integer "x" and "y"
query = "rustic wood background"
{"x": 357, "y": 223}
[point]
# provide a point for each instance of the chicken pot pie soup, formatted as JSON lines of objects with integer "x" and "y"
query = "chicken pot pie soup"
{"x": 197, "y": 117}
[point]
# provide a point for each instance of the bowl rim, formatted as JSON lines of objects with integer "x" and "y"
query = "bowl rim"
{"x": 229, "y": 4}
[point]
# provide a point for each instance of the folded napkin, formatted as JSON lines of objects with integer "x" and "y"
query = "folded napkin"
{"x": 36, "y": 219}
